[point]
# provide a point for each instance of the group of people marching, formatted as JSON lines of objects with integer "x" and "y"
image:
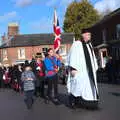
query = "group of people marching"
{"x": 10, "y": 76}
{"x": 32, "y": 77}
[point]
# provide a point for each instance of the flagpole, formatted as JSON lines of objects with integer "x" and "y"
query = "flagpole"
{"x": 55, "y": 8}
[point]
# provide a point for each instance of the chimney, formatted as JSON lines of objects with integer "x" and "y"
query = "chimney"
{"x": 3, "y": 37}
{"x": 13, "y": 29}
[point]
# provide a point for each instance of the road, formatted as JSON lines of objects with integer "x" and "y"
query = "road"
{"x": 12, "y": 106}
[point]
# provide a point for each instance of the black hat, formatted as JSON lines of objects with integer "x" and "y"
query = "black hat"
{"x": 85, "y": 30}
{"x": 27, "y": 65}
{"x": 38, "y": 55}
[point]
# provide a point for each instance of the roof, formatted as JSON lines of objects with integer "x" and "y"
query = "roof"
{"x": 107, "y": 17}
{"x": 36, "y": 40}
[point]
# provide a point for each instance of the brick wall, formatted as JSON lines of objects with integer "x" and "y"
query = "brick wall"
{"x": 12, "y": 53}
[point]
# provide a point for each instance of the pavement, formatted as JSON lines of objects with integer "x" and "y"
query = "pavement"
{"x": 12, "y": 106}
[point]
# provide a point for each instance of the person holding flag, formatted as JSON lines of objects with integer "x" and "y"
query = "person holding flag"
{"x": 52, "y": 62}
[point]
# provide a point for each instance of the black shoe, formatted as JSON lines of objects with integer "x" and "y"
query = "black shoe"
{"x": 32, "y": 101}
{"x": 42, "y": 96}
{"x": 72, "y": 106}
{"x": 46, "y": 100}
{"x": 56, "y": 101}
{"x": 29, "y": 106}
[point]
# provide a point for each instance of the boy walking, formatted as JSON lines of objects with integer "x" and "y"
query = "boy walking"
{"x": 28, "y": 80}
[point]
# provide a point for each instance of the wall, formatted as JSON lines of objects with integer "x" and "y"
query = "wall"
{"x": 30, "y": 52}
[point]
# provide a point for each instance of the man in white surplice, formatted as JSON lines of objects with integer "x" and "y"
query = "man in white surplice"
{"x": 82, "y": 79}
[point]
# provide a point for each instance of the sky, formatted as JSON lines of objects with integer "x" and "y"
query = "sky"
{"x": 36, "y": 16}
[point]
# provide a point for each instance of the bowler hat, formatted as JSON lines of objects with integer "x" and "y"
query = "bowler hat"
{"x": 38, "y": 55}
{"x": 85, "y": 30}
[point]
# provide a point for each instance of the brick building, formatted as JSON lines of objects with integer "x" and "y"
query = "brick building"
{"x": 106, "y": 37}
{"x": 19, "y": 48}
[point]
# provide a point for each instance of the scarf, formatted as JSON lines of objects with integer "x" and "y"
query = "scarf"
{"x": 89, "y": 65}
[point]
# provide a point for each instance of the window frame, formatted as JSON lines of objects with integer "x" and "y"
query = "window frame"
{"x": 5, "y": 54}
{"x": 21, "y": 54}
{"x": 118, "y": 31}
{"x": 63, "y": 50}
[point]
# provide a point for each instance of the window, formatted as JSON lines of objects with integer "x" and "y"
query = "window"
{"x": 104, "y": 53}
{"x": 118, "y": 31}
{"x": 104, "y": 35}
{"x": 103, "y": 57}
{"x": 44, "y": 50}
{"x": 116, "y": 53}
{"x": 5, "y": 55}
{"x": 21, "y": 53}
{"x": 62, "y": 50}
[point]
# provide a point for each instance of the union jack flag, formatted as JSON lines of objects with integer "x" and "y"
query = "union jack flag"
{"x": 57, "y": 32}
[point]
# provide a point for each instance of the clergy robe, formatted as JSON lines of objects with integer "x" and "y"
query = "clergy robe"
{"x": 81, "y": 84}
